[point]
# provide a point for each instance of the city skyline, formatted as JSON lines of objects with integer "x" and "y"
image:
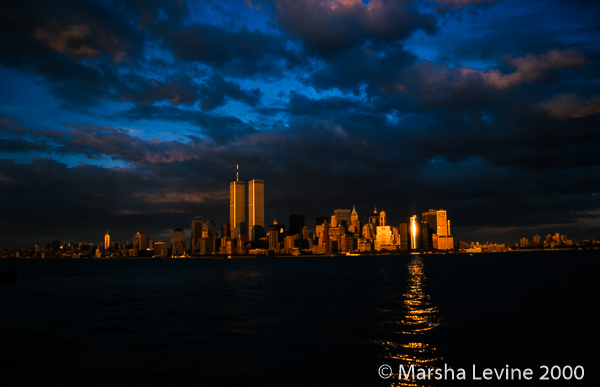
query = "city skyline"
{"x": 340, "y": 233}
{"x": 132, "y": 116}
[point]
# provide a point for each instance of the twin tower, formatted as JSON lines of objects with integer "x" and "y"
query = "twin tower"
{"x": 256, "y": 208}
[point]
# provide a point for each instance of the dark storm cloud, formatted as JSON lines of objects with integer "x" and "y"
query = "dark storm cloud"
{"x": 240, "y": 53}
{"x": 437, "y": 85}
{"x": 216, "y": 89}
{"x": 178, "y": 88}
{"x": 570, "y": 105}
{"x": 35, "y": 32}
{"x": 82, "y": 202}
{"x": 369, "y": 68}
{"x": 217, "y": 127}
{"x": 300, "y": 104}
{"x": 327, "y": 26}
{"x": 444, "y": 5}
{"x": 93, "y": 52}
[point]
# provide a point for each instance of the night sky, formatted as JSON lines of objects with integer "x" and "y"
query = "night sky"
{"x": 131, "y": 116}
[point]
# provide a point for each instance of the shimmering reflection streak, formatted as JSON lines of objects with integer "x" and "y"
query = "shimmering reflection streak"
{"x": 418, "y": 317}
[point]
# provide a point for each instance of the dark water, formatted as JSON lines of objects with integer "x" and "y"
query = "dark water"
{"x": 297, "y": 321}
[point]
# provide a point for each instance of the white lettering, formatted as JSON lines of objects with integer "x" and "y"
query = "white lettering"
{"x": 402, "y": 374}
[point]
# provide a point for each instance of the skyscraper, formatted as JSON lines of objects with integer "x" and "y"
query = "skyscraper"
{"x": 141, "y": 239}
{"x": 197, "y": 226}
{"x": 237, "y": 205}
{"x": 382, "y": 219}
{"x": 256, "y": 208}
{"x": 106, "y": 241}
{"x": 414, "y": 232}
{"x": 374, "y": 219}
{"x": 354, "y": 222}
{"x": 437, "y": 221}
{"x": 178, "y": 242}
{"x": 439, "y": 225}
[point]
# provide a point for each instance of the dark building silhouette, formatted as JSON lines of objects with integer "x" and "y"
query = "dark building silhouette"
{"x": 426, "y": 236}
{"x": 197, "y": 225}
{"x": 404, "y": 233}
{"x": 225, "y": 231}
{"x": 374, "y": 219}
{"x": 296, "y": 224}
{"x": 319, "y": 220}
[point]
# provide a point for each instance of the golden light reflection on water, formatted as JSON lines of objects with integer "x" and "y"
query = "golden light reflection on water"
{"x": 411, "y": 325}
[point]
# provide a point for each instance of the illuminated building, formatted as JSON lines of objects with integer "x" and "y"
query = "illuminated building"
{"x": 256, "y": 209}
{"x": 354, "y": 222}
{"x": 346, "y": 243}
{"x": 178, "y": 242}
{"x": 382, "y": 218}
{"x": 384, "y": 236}
{"x": 289, "y": 242}
{"x": 106, "y": 241}
{"x": 368, "y": 231}
{"x": 414, "y": 232}
{"x": 344, "y": 218}
{"x": 305, "y": 233}
{"x": 237, "y": 208}
{"x": 439, "y": 225}
{"x": 141, "y": 239}
{"x": 364, "y": 246}
{"x": 319, "y": 231}
{"x": 335, "y": 237}
{"x": 333, "y": 222}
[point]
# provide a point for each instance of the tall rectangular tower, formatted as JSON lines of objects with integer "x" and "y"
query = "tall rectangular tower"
{"x": 437, "y": 221}
{"x": 256, "y": 204}
{"x": 440, "y": 227}
{"x": 237, "y": 205}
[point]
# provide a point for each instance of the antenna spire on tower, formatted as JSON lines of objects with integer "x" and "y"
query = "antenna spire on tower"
{"x": 237, "y": 172}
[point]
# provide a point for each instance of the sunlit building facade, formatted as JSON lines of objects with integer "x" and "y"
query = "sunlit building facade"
{"x": 343, "y": 218}
{"x": 439, "y": 225}
{"x": 384, "y": 237}
{"x": 106, "y": 241}
{"x": 414, "y": 232}
{"x": 354, "y": 222}
{"x": 256, "y": 208}
{"x": 237, "y": 208}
